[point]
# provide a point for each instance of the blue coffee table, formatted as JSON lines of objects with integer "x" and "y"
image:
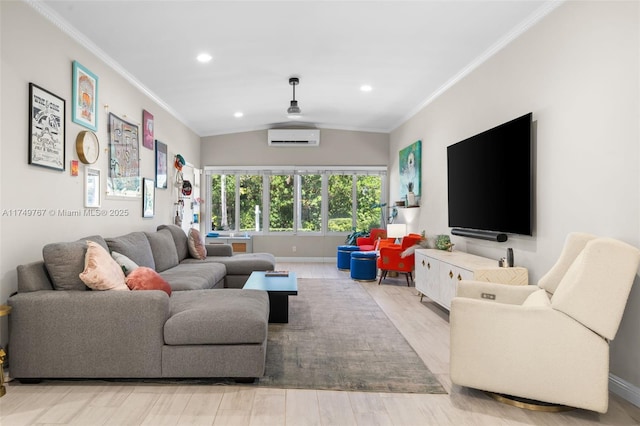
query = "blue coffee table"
{"x": 279, "y": 290}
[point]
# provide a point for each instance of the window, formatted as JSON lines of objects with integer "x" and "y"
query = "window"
{"x": 223, "y": 202}
{"x": 340, "y": 203}
{"x": 305, "y": 201}
{"x": 250, "y": 189}
{"x": 281, "y": 203}
{"x": 368, "y": 195}
{"x": 309, "y": 217}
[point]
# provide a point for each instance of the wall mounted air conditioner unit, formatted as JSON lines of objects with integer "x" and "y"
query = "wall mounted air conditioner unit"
{"x": 294, "y": 137}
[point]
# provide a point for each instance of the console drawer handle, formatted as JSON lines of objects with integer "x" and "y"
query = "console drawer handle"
{"x": 450, "y": 274}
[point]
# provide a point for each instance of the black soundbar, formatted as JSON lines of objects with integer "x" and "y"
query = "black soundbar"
{"x": 482, "y": 235}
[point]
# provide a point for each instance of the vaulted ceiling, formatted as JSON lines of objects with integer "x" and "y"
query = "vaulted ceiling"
{"x": 407, "y": 52}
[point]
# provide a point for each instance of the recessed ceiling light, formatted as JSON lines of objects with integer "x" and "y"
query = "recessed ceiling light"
{"x": 238, "y": 114}
{"x": 204, "y": 58}
{"x": 366, "y": 88}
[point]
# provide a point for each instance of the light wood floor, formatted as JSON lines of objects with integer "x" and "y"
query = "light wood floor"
{"x": 424, "y": 325}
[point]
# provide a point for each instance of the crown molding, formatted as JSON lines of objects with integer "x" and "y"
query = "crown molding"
{"x": 77, "y": 36}
{"x": 516, "y": 32}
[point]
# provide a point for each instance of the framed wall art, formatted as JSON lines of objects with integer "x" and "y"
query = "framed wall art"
{"x": 46, "y": 128}
{"x": 411, "y": 169}
{"x": 92, "y": 187}
{"x": 161, "y": 165}
{"x": 85, "y": 97}
{"x": 147, "y": 129}
{"x": 148, "y": 197}
{"x": 124, "y": 158}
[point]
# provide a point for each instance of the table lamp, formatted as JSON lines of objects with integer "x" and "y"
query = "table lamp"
{"x": 396, "y": 230}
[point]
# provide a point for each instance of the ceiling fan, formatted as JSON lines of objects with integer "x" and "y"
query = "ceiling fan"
{"x": 294, "y": 110}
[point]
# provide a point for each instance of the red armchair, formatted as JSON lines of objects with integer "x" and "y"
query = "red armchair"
{"x": 369, "y": 243}
{"x": 391, "y": 259}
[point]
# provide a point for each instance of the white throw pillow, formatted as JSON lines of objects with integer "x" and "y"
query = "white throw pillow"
{"x": 125, "y": 263}
{"x": 409, "y": 251}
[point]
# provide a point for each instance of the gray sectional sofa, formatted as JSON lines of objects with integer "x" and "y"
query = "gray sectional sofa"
{"x": 208, "y": 327}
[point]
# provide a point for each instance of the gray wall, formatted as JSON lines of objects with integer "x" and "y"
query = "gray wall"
{"x": 577, "y": 70}
{"x": 34, "y": 50}
{"x": 337, "y": 148}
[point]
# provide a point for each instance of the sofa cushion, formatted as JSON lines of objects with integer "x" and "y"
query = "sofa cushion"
{"x": 101, "y": 272}
{"x": 210, "y": 317}
{"x": 125, "y": 263}
{"x": 180, "y": 240}
{"x": 241, "y": 264}
{"x": 196, "y": 276}
{"x": 163, "y": 247}
{"x": 135, "y": 246}
{"x": 144, "y": 278}
{"x": 196, "y": 245}
{"x": 65, "y": 262}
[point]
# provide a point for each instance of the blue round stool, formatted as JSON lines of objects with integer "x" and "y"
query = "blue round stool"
{"x": 363, "y": 265}
{"x": 344, "y": 256}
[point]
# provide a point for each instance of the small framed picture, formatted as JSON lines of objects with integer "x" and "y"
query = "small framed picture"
{"x": 161, "y": 165}
{"x": 85, "y": 97}
{"x": 46, "y": 128}
{"x": 147, "y": 129}
{"x": 92, "y": 187}
{"x": 148, "y": 197}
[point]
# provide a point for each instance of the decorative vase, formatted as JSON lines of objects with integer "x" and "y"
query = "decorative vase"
{"x": 411, "y": 199}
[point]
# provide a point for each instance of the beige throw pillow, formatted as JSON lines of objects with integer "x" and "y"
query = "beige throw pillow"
{"x": 196, "y": 245}
{"x": 101, "y": 272}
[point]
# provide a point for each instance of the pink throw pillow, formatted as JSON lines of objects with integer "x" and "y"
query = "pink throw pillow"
{"x": 101, "y": 272}
{"x": 196, "y": 245}
{"x": 144, "y": 278}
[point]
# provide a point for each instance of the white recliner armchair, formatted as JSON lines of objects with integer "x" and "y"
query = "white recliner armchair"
{"x": 548, "y": 342}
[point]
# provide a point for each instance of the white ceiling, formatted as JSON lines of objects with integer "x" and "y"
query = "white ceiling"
{"x": 407, "y": 51}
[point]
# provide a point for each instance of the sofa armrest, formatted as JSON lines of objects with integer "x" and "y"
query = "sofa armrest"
{"x": 219, "y": 249}
{"x": 87, "y": 333}
{"x": 503, "y": 293}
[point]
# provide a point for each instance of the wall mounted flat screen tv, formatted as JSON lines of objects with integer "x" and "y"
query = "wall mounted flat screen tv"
{"x": 490, "y": 179}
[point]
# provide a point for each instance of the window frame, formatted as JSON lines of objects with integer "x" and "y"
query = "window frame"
{"x": 296, "y": 171}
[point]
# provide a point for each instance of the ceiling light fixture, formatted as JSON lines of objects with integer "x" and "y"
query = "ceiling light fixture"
{"x": 238, "y": 114}
{"x": 366, "y": 88}
{"x": 204, "y": 58}
{"x": 294, "y": 110}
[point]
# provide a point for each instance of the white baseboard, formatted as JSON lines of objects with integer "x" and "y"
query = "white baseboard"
{"x": 624, "y": 389}
{"x": 306, "y": 259}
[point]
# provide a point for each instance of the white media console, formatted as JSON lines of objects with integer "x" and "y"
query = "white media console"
{"x": 438, "y": 272}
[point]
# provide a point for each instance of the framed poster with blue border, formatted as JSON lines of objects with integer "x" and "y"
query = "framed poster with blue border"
{"x": 84, "y": 97}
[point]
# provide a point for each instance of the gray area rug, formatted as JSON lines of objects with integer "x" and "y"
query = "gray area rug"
{"x": 338, "y": 338}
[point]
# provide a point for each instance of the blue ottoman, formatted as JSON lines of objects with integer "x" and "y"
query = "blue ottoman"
{"x": 363, "y": 265}
{"x": 344, "y": 256}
